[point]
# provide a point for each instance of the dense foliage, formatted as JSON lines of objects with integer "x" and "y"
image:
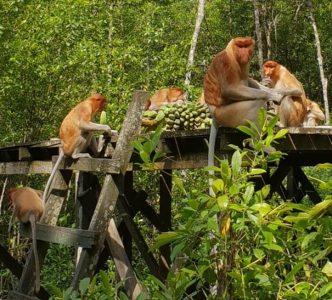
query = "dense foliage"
{"x": 56, "y": 52}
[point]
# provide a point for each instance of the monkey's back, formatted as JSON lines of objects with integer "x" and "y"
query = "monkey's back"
{"x": 69, "y": 129}
{"x": 27, "y": 201}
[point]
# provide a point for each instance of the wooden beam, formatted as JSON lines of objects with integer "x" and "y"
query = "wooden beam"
{"x": 26, "y": 167}
{"x": 62, "y": 235}
{"x": 306, "y": 186}
{"x": 122, "y": 263}
{"x": 98, "y": 165}
{"x": 10, "y": 262}
{"x": 110, "y": 191}
{"x": 19, "y": 296}
{"x": 165, "y": 215}
{"x": 139, "y": 240}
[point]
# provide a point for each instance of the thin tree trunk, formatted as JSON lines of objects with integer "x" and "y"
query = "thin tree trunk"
{"x": 199, "y": 19}
{"x": 320, "y": 63}
{"x": 259, "y": 38}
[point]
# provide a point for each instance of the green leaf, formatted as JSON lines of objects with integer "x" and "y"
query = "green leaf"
{"x": 247, "y": 130}
{"x": 123, "y": 296}
{"x": 218, "y": 185}
{"x": 263, "y": 208}
{"x": 263, "y": 279}
{"x": 145, "y": 157}
{"x": 259, "y": 254}
{"x": 280, "y": 134}
{"x": 163, "y": 239}
{"x": 325, "y": 289}
{"x": 320, "y": 208}
{"x": 294, "y": 271}
{"x": 254, "y": 171}
{"x": 222, "y": 202}
{"x": 250, "y": 189}
{"x": 274, "y": 247}
{"x": 160, "y": 116}
{"x": 236, "y": 163}
{"x": 308, "y": 238}
{"x": 84, "y": 284}
{"x": 327, "y": 269}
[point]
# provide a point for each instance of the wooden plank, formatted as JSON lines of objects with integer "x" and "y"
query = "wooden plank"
{"x": 62, "y": 235}
{"x": 10, "y": 262}
{"x": 26, "y": 167}
{"x": 165, "y": 215}
{"x": 306, "y": 186}
{"x": 139, "y": 240}
{"x": 122, "y": 263}
{"x": 19, "y": 296}
{"x": 139, "y": 204}
{"x": 110, "y": 191}
{"x": 98, "y": 165}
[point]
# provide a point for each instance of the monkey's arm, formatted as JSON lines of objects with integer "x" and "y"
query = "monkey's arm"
{"x": 90, "y": 126}
{"x": 241, "y": 92}
{"x": 283, "y": 91}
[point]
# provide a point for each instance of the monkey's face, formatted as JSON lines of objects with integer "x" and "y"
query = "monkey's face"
{"x": 243, "y": 49}
{"x": 100, "y": 101}
{"x": 270, "y": 68}
{"x": 268, "y": 71}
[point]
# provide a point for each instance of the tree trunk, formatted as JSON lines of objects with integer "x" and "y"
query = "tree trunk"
{"x": 259, "y": 38}
{"x": 320, "y": 63}
{"x": 199, "y": 19}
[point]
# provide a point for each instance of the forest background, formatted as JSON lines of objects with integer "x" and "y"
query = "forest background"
{"x": 55, "y": 53}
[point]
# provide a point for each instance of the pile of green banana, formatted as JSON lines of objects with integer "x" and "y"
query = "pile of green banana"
{"x": 184, "y": 116}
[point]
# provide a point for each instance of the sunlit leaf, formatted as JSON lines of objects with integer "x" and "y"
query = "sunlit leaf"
{"x": 163, "y": 239}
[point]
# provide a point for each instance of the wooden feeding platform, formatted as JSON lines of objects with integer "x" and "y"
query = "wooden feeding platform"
{"x": 101, "y": 235}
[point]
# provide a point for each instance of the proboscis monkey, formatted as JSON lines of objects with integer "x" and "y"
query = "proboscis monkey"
{"x": 314, "y": 114}
{"x": 28, "y": 207}
{"x": 165, "y": 96}
{"x": 76, "y": 132}
{"x": 292, "y": 109}
{"x": 232, "y": 96}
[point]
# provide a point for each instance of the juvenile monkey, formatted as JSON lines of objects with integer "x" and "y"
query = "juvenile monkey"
{"x": 76, "y": 132}
{"x": 28, "y": 207}
{"x": 314, "y": 114}
{"x": 292, "y": 109}
{"x": 165, "y": 96}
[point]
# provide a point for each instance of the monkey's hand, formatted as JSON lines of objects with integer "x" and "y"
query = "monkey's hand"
{"x": 275, "y": 97}
{"x": 266, "y": 81}
{"x": 111, "y": 132}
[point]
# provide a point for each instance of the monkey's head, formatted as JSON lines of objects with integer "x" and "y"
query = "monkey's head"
{"x": 243, "y": 49}
{"x": 175, "y": 94}
{"x": 270, "y": 68}
{"x": 99, "y": 102}
{"x": 10, "y": 193}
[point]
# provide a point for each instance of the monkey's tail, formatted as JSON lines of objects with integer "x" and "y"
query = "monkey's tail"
{"x": 32, "y": 220}
{"x": 212, "y": 143}
{"x": 50, "y": 179}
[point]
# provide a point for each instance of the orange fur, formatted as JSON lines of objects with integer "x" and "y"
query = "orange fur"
{"x": 28, "y": 207}
{"x": 76, "y": 133}
{"x": 84, "y": 111}
{"x": 292, "y": 109}
{"x": 228, "y": 67}
{"x": 165, "y": 96}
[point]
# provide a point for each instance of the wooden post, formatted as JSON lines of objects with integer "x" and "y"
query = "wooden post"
{"x": 109, "y": 195}
{"x": 165, "y": 215}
